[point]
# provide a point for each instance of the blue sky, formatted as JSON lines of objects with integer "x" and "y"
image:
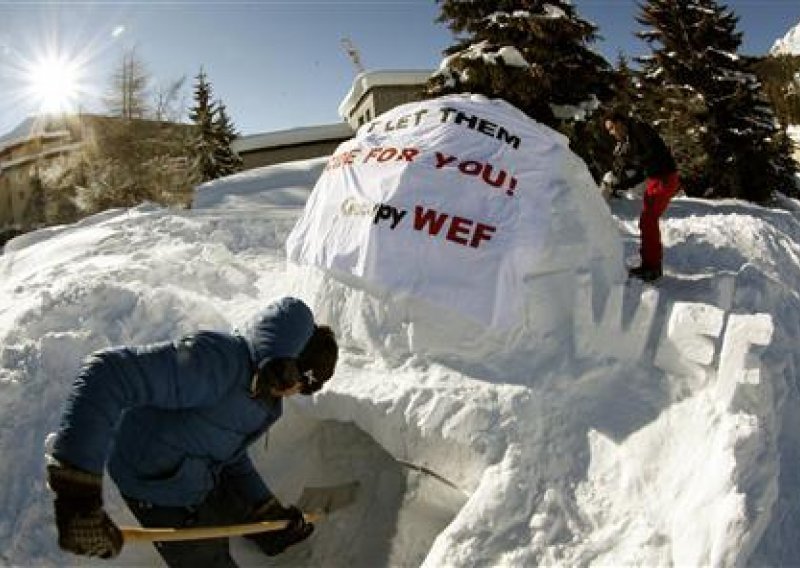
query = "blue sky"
{"x": 278, "y": 65}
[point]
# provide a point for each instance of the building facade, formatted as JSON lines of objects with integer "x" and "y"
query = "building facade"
{"x": 24, "y": 153}
{"x": 43, "y": 159}
{"x": 375, "y": 92}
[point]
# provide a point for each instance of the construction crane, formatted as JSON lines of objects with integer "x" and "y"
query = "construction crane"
{"x": 352, "y": 52}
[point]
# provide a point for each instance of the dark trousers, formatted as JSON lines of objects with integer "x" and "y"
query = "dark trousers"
{"x": 218, "y": 509}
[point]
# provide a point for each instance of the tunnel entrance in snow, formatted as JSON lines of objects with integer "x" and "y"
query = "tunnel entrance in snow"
{"x": 398, "y": 512}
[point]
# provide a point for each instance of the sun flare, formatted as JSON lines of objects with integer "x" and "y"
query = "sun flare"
{"x": 54, "y": 82}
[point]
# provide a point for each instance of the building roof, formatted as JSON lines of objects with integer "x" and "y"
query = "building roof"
{"x": 371, "y": 79}
{"x": 6, "y": 165}
{"x": 42, "y": 126}
{"x": 292, "y": 137}
{"x": 23, "y": 131}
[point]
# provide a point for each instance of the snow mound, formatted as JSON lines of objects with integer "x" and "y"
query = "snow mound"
{"x": 282, "y": 185}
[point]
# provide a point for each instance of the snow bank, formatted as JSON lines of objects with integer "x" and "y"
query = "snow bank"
{"x": 282, "y": 185}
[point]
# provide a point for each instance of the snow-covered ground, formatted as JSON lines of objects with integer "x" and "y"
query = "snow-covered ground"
{"x": 660, "y": 427}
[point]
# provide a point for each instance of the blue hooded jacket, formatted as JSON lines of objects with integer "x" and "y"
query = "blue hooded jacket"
{"x": 176, "y": 418}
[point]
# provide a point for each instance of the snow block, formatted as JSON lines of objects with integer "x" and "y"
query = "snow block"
{"x": 738, "y": 365}
{"x": 688, "y": 345}
{"x": 609, "y": 335}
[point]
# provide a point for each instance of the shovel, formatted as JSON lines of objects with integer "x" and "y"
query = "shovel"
{"x": 317, "y": 502}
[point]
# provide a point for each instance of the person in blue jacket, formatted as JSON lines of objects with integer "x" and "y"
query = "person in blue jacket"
{"x": 172, "y": 423}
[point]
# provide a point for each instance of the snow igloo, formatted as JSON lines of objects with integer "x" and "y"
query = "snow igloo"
{"x": 463, "y": 227}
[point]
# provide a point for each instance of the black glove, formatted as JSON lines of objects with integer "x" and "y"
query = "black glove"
{"x": 275, "y": 542}
{"x": 610, "y": 185}
{"x": 83, "y": 526}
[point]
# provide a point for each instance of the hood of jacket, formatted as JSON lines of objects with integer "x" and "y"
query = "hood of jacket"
{"x": 280, "y": 330}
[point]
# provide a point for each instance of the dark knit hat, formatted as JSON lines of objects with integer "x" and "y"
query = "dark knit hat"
{"x": 317, "y": 360}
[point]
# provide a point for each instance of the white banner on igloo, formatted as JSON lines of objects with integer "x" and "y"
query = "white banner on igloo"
{"x": 447, "y": 200}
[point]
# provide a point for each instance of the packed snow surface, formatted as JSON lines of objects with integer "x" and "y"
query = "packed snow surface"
{"x": 658, "y": 427}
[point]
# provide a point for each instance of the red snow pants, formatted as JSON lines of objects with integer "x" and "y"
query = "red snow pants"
{"x": 657, "y": 194}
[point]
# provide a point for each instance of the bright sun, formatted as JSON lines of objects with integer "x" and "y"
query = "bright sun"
{"x": 54, "y": 83}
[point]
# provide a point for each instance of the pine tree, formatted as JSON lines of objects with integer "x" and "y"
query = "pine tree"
{"x": 707, "y": 105}
{"x": 203, "y": 143}
{"x": 557, "y": 74}
{"x": 227, "y": 160}
{"x": 625, "y": 86}
{"x": 214, "y": 133}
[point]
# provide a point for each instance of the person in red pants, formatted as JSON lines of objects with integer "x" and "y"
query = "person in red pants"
{"x": 642, "y": 154}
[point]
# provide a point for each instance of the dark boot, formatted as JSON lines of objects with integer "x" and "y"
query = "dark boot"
{"x": 645, "y": 273}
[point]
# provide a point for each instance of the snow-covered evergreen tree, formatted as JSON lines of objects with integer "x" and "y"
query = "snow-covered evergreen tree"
{"x": 202, "y": 114}
{"x": 535, "y": 54}
{"x": 707, "y": 105}
{"x": 227, "y": 160}
{"x": 626, "y": 86}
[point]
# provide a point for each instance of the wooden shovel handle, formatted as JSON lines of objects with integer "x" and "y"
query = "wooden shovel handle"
{"x": 138, "y": 534}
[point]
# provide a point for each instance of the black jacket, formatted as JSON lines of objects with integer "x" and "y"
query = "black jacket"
{"x": 644, "y": 152}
